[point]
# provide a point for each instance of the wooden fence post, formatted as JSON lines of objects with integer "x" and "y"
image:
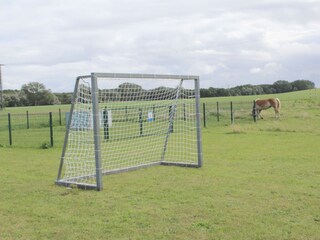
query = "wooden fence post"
{"x": 28, "y": 124}
{"x": 51, "y": 129}
{"x": 218, "y": 117}
{"x": 9, "y": 126}
{"x": 254, "y": 111}
{"x": 204, "y": 115}
{"x": 232, "y": 113}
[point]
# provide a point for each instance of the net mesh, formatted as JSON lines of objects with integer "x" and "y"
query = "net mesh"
{"x": 141, "y": 122}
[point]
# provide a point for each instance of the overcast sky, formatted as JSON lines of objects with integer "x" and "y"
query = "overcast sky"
{"x": 227, "y": 43}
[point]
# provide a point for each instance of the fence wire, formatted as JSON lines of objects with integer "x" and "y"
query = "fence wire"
{"x": 41, "y": 130}
{"x": 226, "y": 113}
{"x": 33, "y": 129}
{"x": 36, "y": 131}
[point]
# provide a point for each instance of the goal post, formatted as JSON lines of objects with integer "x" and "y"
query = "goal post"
{"x": 121, "y": 122}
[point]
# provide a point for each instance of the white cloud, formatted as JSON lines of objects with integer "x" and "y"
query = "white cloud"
{"x": 227, "y": 43}
{"x": 255, "y": 70}
{"x": 271, "y": 68}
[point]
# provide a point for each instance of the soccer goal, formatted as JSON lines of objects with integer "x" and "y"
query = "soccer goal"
{"x": 122, "y": 122}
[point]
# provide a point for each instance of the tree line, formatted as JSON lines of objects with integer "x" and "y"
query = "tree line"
{"x": 280, "y": 86}
{"x": 35, "y": 93}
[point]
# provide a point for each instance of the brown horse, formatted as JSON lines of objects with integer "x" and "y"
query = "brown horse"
{"x": 263, "y": 104}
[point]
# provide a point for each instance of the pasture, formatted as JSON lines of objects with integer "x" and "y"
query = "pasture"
{"x": 260, "y": 180}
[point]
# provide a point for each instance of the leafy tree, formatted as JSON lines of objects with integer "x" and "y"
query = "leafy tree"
{"x": 158, "y": 92}
{"x": 64, "y": 98}
{"x": 135, "y": 91}
{"x": 302, "y": 85}
{"x": 267, "y": 89}
{"x": 222, "y": 92}
{"x": 11, "y": 100}
{"x": 37, "y": 94}
{"x": 282, "y": 86}
{"x": 204, "y": 92}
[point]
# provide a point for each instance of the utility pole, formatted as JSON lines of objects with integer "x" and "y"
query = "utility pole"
{"x": 1, "y": 92}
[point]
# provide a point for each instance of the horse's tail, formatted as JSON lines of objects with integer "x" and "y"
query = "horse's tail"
{"x": 278, "y": 108}
{"x": 278, "y": 104}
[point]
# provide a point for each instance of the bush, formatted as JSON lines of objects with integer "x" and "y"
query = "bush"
{"x": 45, "y": 145}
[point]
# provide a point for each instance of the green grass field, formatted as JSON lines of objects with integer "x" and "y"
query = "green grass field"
{"x": 259, "y": 181}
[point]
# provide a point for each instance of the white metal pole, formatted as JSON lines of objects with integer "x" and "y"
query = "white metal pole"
{"x": 96, "y": 129}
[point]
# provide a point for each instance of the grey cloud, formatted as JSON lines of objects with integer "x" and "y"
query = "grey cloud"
{"x": 227, "y": 43}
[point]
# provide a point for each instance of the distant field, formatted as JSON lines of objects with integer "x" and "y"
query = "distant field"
{"x": 260, "y": 180}
{"x": 36, "y": 109}
{"x": 309, "y": 95}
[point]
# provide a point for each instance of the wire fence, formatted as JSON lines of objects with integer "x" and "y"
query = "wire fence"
{"x": 45, "y": 130}
{"x": 227, "y": 113}
{"x": 42, "y": 130}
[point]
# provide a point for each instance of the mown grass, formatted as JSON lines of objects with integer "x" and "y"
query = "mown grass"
{"x": 259, "y": 181}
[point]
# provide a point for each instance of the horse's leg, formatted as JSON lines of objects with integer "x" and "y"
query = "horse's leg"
{"x": 276, "y": 107}
{"x": 276, "y": 113}
{"x": 259, "y": 114}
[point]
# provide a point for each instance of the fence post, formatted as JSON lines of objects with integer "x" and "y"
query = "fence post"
{"x": 105, "y": 124}
{"x": 126, "y": 111}
{"x": 232, "y": 114}
{"x": 140, "y": 121}
{"x": 254, "y": 111}
{"x": 9, "y": 126}
{"x": 60, "y": 122}
{"x": 51, "y": 128}
{"x": 28, "y": 125}
{"x": 204, "y": 115}
{"x": 171, "y": 118}
{"x": 218, "y": 117}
